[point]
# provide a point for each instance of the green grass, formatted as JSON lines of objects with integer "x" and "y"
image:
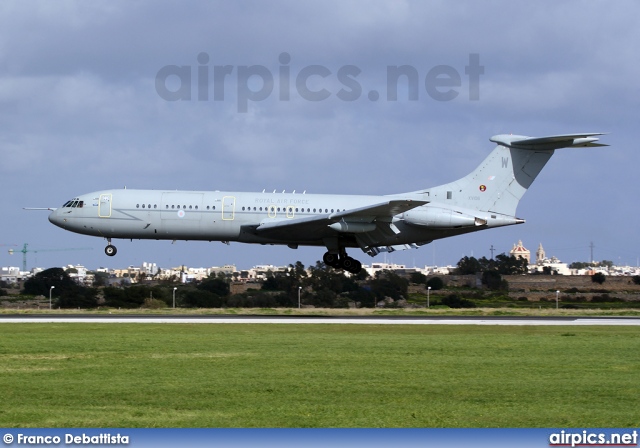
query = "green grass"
{"x": 263, "y": 375}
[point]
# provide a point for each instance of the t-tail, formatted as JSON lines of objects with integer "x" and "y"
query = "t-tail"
{"x": 500, "y": 181}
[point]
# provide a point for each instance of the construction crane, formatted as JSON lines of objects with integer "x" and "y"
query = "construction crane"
{"x": 25, "y": 250}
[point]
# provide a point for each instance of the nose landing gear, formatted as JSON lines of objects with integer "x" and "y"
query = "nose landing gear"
{"x": 110, "y": 250}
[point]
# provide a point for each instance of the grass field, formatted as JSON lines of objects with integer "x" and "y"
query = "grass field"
{"x": 228, "y": 375}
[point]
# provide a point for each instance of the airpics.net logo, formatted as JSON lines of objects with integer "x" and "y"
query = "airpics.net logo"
{"x": 253, "y": 83}
{"x": 591, "y": 438}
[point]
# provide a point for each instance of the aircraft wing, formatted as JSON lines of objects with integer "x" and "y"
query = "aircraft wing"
{"x": 313, "y": 227}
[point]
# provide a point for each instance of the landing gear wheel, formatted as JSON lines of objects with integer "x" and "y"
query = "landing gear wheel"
{"x": 110, "y": 250}
{"x": 351, "y": 264}
{"x": 331, "y": 259}
{"x": 347, "y": 263}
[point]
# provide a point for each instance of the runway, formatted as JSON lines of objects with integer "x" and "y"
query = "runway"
{"x": 353, "y": 320}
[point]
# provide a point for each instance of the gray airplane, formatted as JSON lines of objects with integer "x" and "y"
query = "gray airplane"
{"x": 484, "y": 199}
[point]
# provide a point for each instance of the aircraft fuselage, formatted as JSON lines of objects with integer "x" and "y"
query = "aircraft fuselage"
{"x": 485, "y": 198}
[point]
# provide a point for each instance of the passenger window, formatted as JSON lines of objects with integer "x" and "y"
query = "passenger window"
{"x": 137, "y": 205}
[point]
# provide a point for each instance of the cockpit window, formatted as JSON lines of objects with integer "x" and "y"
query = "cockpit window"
{"x": 74, "y": 203}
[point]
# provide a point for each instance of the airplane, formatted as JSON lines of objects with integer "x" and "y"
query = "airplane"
{"x": 484, "y": 199}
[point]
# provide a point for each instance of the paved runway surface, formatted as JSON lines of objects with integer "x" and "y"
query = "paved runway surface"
{"x": 362, "y": 320}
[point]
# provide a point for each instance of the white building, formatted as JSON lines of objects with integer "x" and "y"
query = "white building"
{"x": 10, "y": 274}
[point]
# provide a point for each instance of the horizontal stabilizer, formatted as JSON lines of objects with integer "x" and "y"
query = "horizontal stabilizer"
{"x": 548, "y": 143}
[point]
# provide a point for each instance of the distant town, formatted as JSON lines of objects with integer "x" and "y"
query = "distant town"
{"x": 186, "y": 274}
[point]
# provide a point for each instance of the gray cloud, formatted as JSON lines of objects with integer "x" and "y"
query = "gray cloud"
{"x": 79, "y": 112}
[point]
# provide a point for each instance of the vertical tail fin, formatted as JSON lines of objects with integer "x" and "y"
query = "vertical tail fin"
{"x": 500, "y": 181}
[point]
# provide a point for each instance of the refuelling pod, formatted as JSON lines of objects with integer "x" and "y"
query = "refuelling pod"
{"x": 353, "y": 227}
{"x": 441, "y": 218}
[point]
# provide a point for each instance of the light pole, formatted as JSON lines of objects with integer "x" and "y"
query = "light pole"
{"x": 299, "y": 289}
{"x": 428, "y": 291}
{"x": 50, "y": 291}
{"x": 174, "y": 297}
{"x": 557, "y": 295}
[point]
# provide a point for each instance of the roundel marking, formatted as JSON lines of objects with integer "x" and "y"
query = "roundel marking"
{"x": 181, "y": 214}
{"x": 483, "y": 187}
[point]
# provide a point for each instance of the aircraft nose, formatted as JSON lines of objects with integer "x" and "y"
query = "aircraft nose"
{"x": 54, "y": 218}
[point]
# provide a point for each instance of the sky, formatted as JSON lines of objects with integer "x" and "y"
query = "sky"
{"x": 207, "y": 95}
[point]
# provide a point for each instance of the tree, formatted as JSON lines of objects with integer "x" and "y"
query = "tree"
{"x": 468, "y": 265}
{"x": 216, "y": 286}
{"x": 418, "y": 278}
{"x": 493, "y": 280}
{"x": 435, "y": 283}
{"x": 579, "y": 265}
{"x": 510, "y": 265}
{"x": 100, "y": 278}
{"x": 203, "y": 299}
{"x": 389, "y": 284}
{"x": 67, "y": 292}
{"x": 325, "y": 277}
{"x": 598, "y": 278}
{"x": 131, "y": 297}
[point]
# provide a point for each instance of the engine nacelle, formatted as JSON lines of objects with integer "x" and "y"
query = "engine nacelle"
{"x": 441, "y": 218}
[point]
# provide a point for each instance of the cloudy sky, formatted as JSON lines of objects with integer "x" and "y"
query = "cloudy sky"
{"x": 88, "y": 102}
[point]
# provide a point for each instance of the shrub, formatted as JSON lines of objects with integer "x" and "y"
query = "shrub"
{"x": 455, "y": 301}
{"x": 604, "y": 298}
{"x": 154, "y": 304}
{"x": 598, "y": 278}
{"x": 203, "y": 299}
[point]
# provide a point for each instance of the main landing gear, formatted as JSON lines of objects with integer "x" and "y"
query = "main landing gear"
{"x": 342, "y": 261}
{"x": 110, "y": 250}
